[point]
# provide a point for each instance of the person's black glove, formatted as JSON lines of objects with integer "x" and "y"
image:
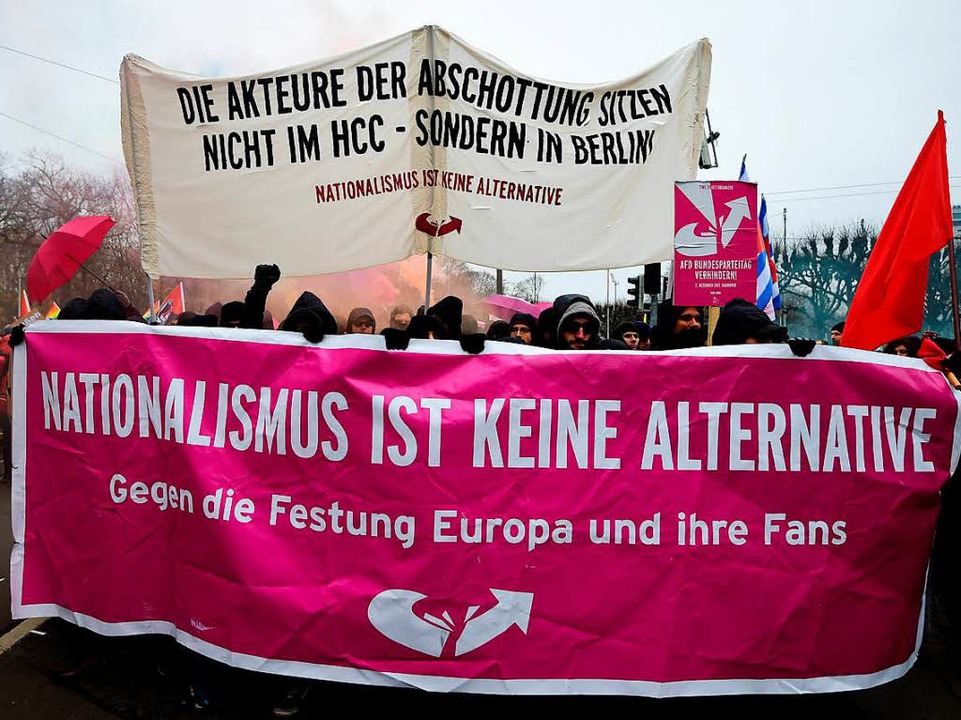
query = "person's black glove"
{"x": 395, "y": 339}
{"x": 17, "y": 336}
{"x": 266, "y": 275}
{"x": 473, "y": 343}
{"x": 801, "y": 347}
{"x": 313, "y": 333}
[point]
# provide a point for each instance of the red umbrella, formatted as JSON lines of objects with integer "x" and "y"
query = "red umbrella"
{"x": 63, "y": 253}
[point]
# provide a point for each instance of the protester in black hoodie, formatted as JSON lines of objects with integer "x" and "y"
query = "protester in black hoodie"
{"x": 578, "y": 324}
{"x": 310, "y": 316}
{"x": 741, "y": 322}
{"x": 546, "y": 328}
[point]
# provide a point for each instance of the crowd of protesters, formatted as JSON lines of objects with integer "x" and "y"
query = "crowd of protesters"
{"x": 572, "y": 322}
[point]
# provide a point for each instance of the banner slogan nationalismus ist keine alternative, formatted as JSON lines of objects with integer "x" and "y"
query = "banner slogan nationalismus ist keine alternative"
{"x": 521, "y": 521}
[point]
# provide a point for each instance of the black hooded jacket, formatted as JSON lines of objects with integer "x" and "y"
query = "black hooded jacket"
{"x": 450, "y": 311}
{"x": 741, "y": 320}
{"x": 309, "y": 313}
{"x": 565, "y": 307}
{"x": 546, "y": 328}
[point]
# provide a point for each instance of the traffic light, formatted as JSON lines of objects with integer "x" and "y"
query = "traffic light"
{"x": 652, "y": 278}
{"x": 633, "y": 292}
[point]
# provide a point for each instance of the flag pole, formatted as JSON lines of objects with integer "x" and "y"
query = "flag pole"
{"x": 430, "y": 262}
{"x": 150, "y": 300}
{"x": 953, "y": 271}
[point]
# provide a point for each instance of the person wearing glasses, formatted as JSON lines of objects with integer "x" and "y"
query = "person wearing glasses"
{"x": 522, "y": 327}
{"x": 361, "y": 320}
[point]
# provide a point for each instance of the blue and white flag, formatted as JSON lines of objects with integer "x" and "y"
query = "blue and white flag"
{"x": 766, "y": 236}
{"x": 766, "y": 277}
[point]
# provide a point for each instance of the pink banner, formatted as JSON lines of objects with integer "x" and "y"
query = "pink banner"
{"x": 715, "y": 242}
{"x": 729, "y": 520}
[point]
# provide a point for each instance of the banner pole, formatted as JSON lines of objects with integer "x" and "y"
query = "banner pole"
{"x": 430, "y": 262}
{"x": 150, "y": 300}
{"x": 607, "y": 276}
{"x": 953, "y": 273}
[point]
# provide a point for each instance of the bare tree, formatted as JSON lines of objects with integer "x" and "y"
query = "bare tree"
{"x": 43, "y": 196}
{"x": 529, "y": 289}
{"x": 818, "y": 274}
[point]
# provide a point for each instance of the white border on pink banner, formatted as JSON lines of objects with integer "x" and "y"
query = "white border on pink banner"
{"x": 433, "y": 683}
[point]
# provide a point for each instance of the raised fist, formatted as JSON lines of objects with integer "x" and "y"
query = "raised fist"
{"x": 267, "y": 274}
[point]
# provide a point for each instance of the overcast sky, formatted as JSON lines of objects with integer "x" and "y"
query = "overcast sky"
{"x": 831, "y": 101}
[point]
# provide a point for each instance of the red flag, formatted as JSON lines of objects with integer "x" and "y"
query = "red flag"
{"x": 171, "y": 306}
{"x": 933, "y": 355}
{"x": 889, "y": 300}
{"x": 24, "y": 304}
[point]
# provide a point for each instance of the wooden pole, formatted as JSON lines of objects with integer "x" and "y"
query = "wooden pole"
{"x": 713, "y": 313}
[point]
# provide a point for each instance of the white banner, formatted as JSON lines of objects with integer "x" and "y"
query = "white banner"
{"x": 414, "y": 144}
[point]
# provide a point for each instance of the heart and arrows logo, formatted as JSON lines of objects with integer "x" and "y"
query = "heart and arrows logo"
{"x": 392, "y": 613}
{"x": 425, "y": 224}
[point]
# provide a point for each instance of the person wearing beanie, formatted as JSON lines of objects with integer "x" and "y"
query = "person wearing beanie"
{"x": 627, "y": 333}
{"x": 741, "y": 322}
{"x": 578, "y": 324}
{"x": 836, "y": 331}
{"x": 522, "y": 326}
{"x": 361, "y": 320}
